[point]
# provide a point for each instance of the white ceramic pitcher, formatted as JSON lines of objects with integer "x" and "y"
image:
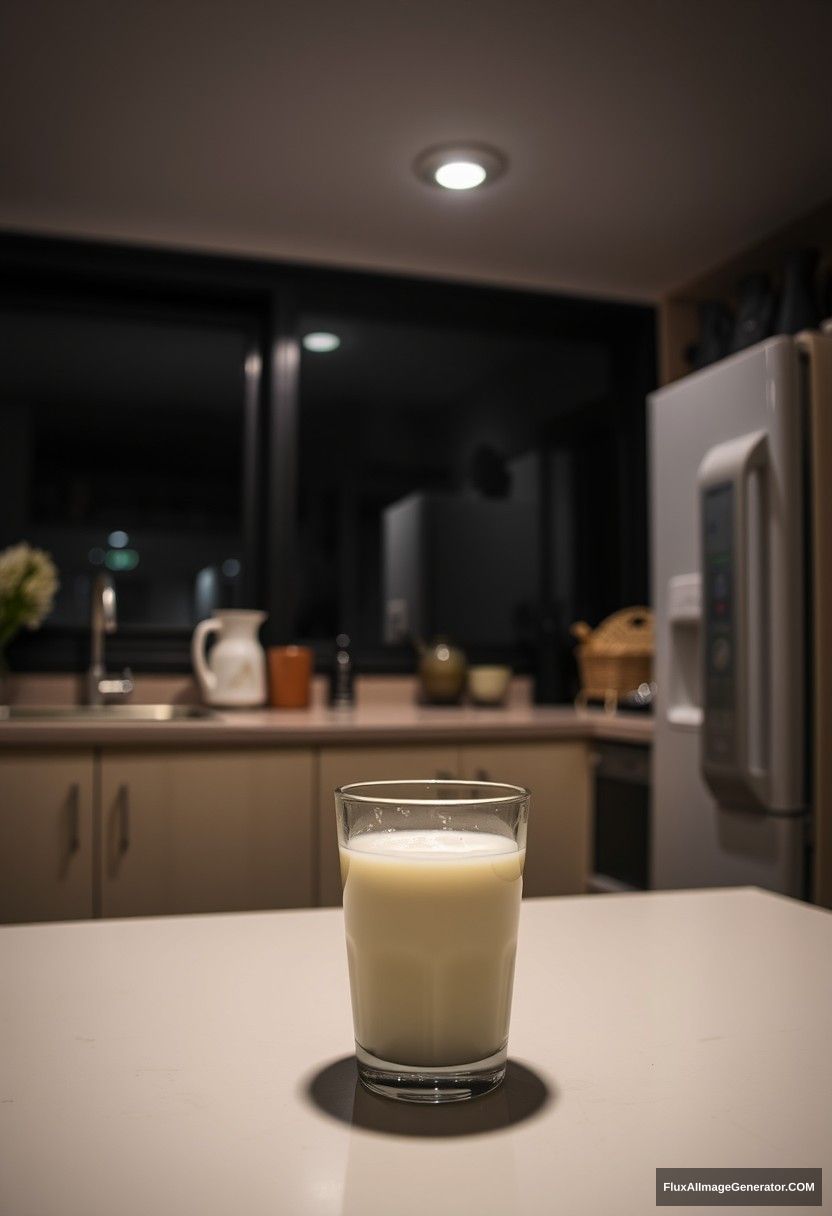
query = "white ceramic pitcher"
{"x": 235, "y": 673}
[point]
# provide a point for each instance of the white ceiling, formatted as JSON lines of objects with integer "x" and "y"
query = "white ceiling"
{"x": 647, "y": 139}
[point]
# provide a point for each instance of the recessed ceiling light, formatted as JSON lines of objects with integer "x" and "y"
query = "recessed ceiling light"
{"x": 460, "y": 166}
{"x": 321, "y": 343}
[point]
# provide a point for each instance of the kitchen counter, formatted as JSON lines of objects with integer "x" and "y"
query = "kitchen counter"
{"x": 202, "y": 1064}
{"x": 319, "y": 725}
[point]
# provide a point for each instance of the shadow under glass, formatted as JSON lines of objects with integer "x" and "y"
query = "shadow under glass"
{"x": 336, "y": 1091}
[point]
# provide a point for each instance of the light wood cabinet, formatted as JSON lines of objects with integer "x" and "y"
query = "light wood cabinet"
{"x": 155, "y": 831}
{"x": 557, "y": 856}
{"x": 203, "y": 831}
{"x": 342, "y": 765}
{"x": 46, "y": 836}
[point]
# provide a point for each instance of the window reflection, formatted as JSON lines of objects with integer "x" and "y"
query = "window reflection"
{"x": 420, "y": 478}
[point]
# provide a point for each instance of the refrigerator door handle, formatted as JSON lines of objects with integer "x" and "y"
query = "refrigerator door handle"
{"x": 735, "y": 673}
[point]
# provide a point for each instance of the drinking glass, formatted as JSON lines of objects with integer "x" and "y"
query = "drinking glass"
{"x": 432, "y": 873}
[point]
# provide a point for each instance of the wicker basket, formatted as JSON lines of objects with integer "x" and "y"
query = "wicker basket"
{"x": 615, "y": 658}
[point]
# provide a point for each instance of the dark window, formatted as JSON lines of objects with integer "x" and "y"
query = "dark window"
{"x": 467, "y": 461}
{"x": 123, "y": 450}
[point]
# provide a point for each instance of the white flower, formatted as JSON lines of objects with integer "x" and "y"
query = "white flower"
{"x": 28, "y": 582}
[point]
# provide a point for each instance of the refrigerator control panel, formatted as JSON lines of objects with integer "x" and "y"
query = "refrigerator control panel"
{"x": 719, "y": 612}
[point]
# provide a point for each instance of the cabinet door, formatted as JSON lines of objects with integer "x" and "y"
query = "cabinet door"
{"x": 558, "y": 846}
{"x": 342, "y": 765}
{"x": 205, "y": 831}
{"x": 46, "y": 835}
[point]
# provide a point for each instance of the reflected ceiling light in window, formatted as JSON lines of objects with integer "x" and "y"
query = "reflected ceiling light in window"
{"x": 460, "y": 166}
{"x": 118, "y": 539}
{"x": 320, "y": 342}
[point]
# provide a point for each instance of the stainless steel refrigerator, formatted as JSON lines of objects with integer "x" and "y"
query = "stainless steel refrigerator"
{"x": 741, "y": 497}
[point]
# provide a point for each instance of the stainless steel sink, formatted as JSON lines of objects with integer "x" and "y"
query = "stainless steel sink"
{"x": 106, "y": 713}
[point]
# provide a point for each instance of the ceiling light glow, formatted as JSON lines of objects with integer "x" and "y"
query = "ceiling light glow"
{"x": 321, "y": 343}
{"x": 460, "y": 175}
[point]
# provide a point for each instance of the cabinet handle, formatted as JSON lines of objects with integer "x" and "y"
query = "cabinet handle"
{"x": 482, "y": 775}
{"x": 74, "y": 816}
{"x": 123, "y": 819}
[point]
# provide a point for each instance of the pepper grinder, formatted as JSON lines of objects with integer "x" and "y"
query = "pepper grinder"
{"x": 342, "y": 678}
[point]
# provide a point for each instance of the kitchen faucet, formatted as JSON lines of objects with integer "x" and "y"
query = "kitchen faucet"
{"x": 100, "y": 686}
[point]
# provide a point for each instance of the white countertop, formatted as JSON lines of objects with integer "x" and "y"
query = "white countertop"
{"x": 387, "y": 711}
{"x": 165, "y": 1066}
{"x": 319, "y": 725}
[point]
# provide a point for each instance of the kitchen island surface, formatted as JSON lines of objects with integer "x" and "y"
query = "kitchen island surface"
{"x": 202, "y": 1064}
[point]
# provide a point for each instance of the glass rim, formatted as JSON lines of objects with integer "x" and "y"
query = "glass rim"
{"x": 510, "y": 793}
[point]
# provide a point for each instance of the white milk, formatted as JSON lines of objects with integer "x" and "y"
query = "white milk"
{"x": 431, "y": 920}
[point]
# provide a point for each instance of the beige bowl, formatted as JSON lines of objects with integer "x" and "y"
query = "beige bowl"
{"x": 488, "y": 685}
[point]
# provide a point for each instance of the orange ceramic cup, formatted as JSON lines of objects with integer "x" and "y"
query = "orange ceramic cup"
{"x": 290, "y": 676}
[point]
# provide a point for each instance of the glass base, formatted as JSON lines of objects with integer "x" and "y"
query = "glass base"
{"x": 406, "y": 1083}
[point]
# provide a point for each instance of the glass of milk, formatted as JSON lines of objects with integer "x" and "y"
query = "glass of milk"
{"x": 432, "y": 873}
